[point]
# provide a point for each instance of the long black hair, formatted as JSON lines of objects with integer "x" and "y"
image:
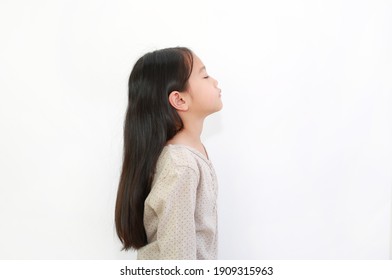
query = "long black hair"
{"x": 149, "y": 123}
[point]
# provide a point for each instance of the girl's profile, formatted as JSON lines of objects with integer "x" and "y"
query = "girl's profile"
{"x": 166, "y": 200}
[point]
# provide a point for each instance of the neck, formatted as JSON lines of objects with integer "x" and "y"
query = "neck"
{"x": 193, "y": 130}
{"x": 190, "y": 135}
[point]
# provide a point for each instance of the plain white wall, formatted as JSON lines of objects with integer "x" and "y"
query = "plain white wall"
{"x": 302, "y": 148}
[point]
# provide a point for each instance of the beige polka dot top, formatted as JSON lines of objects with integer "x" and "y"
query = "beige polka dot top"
{"x": 180, "y": 213}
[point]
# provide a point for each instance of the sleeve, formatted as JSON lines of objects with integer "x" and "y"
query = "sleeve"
{"x": 175, "y": 209}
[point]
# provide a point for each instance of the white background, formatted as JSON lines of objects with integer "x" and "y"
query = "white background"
{"x": 302, "y": 148}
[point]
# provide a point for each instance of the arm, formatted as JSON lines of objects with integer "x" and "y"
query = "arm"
{"x": 175, "y": 208}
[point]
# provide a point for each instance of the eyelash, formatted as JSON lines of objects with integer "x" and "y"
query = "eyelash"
{"x": 206, "y": 77}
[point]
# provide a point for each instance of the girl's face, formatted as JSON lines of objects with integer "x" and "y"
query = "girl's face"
{"x": 205, "y": 96}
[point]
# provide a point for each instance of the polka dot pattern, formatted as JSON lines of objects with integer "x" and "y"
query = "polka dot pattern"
{"x": 180, "y": 213}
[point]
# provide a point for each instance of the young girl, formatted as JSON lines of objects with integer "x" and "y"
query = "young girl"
{"x": 166, "y": 200}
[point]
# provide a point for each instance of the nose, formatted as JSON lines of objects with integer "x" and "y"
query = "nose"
{"x": 215, "y": 82}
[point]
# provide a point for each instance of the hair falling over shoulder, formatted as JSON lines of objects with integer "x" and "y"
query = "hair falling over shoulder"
{"x": 150, "y": 122}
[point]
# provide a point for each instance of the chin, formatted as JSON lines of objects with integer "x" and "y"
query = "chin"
{"x": 221, "y": 106}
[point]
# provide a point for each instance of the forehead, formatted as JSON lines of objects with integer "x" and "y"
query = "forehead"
{"x": 197, "y": 64}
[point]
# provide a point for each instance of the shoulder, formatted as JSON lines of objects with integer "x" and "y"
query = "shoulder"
{"x": 176, "y": 174}
{"x": 177, "y": 157}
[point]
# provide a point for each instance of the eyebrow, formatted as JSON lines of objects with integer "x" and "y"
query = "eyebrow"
{"x": 202, "y": 68}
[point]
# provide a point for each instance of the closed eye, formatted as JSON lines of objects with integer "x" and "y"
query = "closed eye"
{"x": 206, "y": 77}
